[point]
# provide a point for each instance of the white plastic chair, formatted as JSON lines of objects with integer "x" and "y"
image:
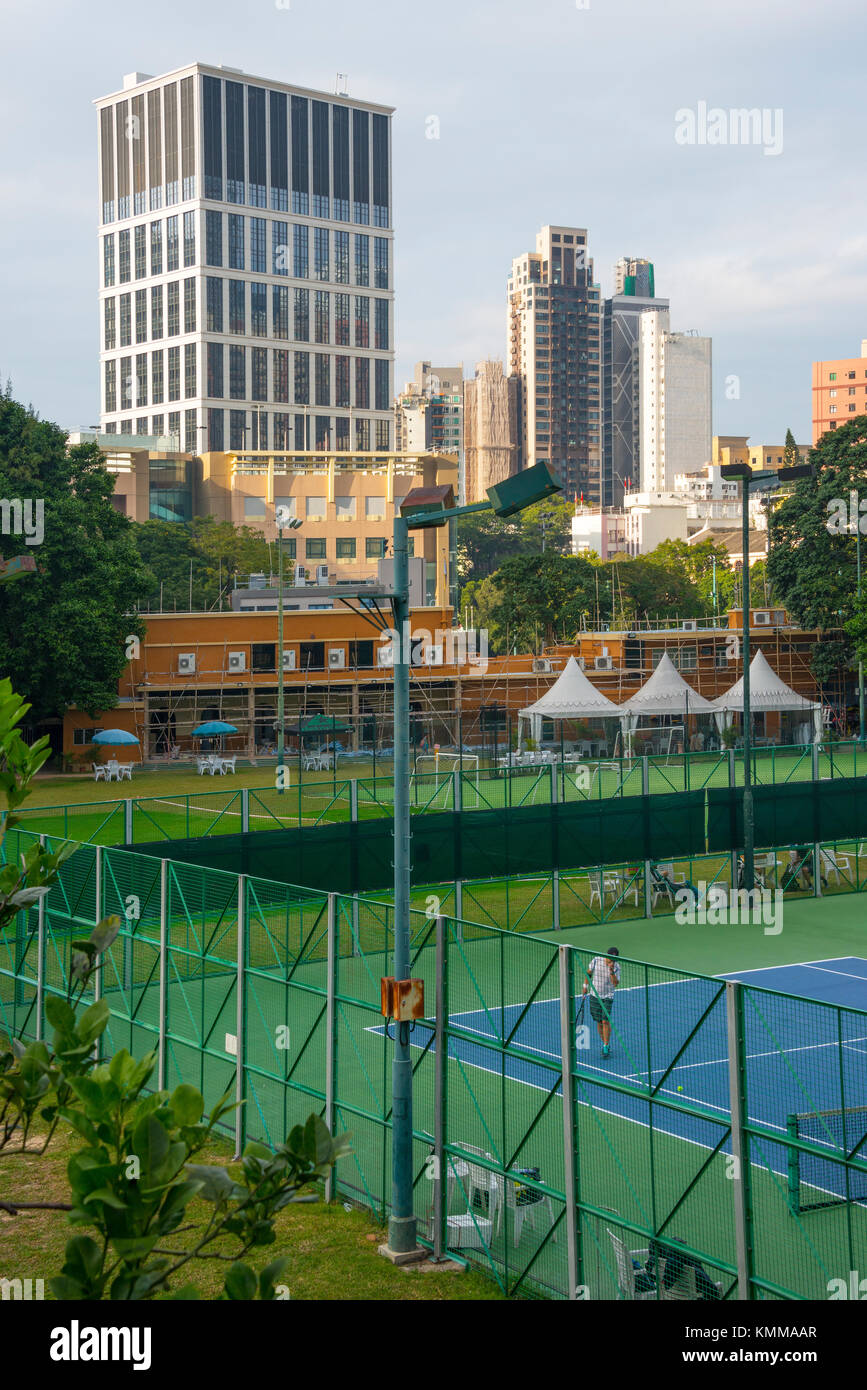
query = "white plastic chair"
{"x": 525, "y": 1211}
{"x": 204, "y": 765}
{"x": 229, "y": 763}
{"x": 626, "y": 1270}
{"x": 482, "y": 1180}
{"x": 684, "y": 1288}
{"x": 124, "y": 770}
{"x": 100, "y": 772}
{"x": 660, "y": 890}
{"x": 831, "y": 863}
{"x": 602, "y": 885}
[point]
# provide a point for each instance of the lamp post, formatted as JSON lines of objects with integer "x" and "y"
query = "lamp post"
{"x": 293, "y": 523}
{"x": 752, "y": 481}
{"x": 421, "y": 508}
{"x": 860, "y": 661}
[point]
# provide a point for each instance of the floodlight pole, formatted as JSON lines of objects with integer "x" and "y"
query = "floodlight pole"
{"x": 860, "y": 662}
{"x": 749, "y": 822}
{"x": 280, "y": 706}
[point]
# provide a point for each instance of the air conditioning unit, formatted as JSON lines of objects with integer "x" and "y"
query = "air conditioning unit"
{"x": 321, "y": 574}
{"x": 581, "y": 662}
{"x": 300, "y": 576}
{"x": 689, "y": 625}
{"x": 288, "y": 659}
{"x": 187, "y": 664}
{"x": 336, "y": 658}
{"x": 385, "y": 655}
{"x": 433, "y": 656}
{"x": 762, "y": 619}
{"x": 541, "y": 663}
{"x": 602, "y": 663}
{"x": 237, "y": 661}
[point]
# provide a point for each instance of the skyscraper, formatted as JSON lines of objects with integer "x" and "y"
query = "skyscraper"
{"x": 554, "y": 348}
{"x": 246, "y": 264}
{"x": 429, "y": 413}
{"x": 490, "y": 429}
{"x": 674, "y": 401}
{"x": 633, "y": 295}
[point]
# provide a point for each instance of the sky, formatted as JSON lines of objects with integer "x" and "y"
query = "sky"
{"x": 544, "y": 112}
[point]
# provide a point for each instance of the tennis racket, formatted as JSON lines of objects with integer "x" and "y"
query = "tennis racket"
{"x": 579, "y": 1018}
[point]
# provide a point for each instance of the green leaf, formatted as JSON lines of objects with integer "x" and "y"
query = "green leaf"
{"x": 217, "y": 1184}
{"x": 107, "y": 1197}
{"x": 83, "y": 1259}
{"x": 93, "y": 1021}
{"x": 269, "y": 1276}
{"x": 187, "y": 1105}
{"x": 67, "y": 1290}
{"x": 151, "y": 1143}
{"x": 240, "y": 1282}
{"x": 59, "y": 1014}
{"x": 104, "y": 933}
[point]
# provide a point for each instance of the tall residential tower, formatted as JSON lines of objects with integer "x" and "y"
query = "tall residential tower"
{"x": 634, "y": 294}
{"x": 555, "y": 350}
{"x": 245, "y": 264}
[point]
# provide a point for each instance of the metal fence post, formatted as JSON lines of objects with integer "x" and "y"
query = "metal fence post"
{"x": 554, "y": 787}
{"x": 353, "y": 799}
{"x": 97, "y": 917}
{"x": 441, "y": 1186}
{"x": 330, "y": 1036}
{"x": 555, "y": 898}
{"x": 245, "y": 810}
{"x": 648, "y": 890}
{"x": 740, "y": 1174}
{"x": 459, "y": 909}
{"x": 567, "y": 1044}
{"x": 817, "y": 869}
{"x": 240, "y": 990}
{"x": 40, "y": 957}
{"x": 457, "y": 791}
{"x": 164, "y": 923}
{"x": 645, "y": 775}
{"x": 815, "y": 761}
{"x": 127, "y": 821}
{"x": 733, "y": 776}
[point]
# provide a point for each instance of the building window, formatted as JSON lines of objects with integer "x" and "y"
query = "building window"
{"x": 362, "y": 321}
{"x": 256, "y": 147}
{"x": 301, "y": 251}
{"x": 344, "y": 508}
{"x": 341, "y": 320}
{"x": 263, "y": 656}
{"x": 125, "y": 384}
{"x": 110, "y": 386}
{"x": 174, "y": 384}
{"x": 380, "y": 262}
{"x": 108, "y": 324}
{"x": 380, "y": 324}
{"x": 156, "y": 378}
{"x": 362, "y": 436}
{"x": 302, "y": 380}
{"x": 157, "y": 425}
{"x": 314, "y": 508}
{"x": 281, "y": 440}
{"x": 341, "y": 383}
{"x": 213, "y": 238}
{"x": 234, "y": 142}
{"x": 279, "y": 152}
{"x": 190, "y": 370}
{"x": 190, "y": 305}
{"x": 254, "y": 508}
{"x": 362, "y": 260}
{"x": 259, "y": 309}
{"x": 237, "y": 423}
{"x": 381, "y": 387}
{"x": 345, "y": 549}
{"x": 374, "y": 548}
{"x": 382, "y": 437}
{"x": 123, "y": 257}
{"x": 156, "y": 311}
{"x": 237, "y": 375}
{"x": 189, "y": 238}
{"x": 341, "y": 257}
{"x": 108, "y": 259}
{"x": 141, "y": 251}
{"x": 280, "y": 311}
{"x": 141, "y": 379}
{"x": 321, "y": 269}
{"x": 257, "y": 245}
{"x": 191, "y": 443}
{"x": 125, "y": 320}
{"x": 374, "y": 508}
{"x": 236, "y": 241}
{"x": 172, "y": 245}
{"x": 323, "y": 379}
{"x": 175, "y": 427}
{"x": 173, "y": 320}
{"x": 215, "y": 430}
{"x": 215, "y": 371}
{"x": 259, "y": 367}
{"x": 362, "y": 383}
{"x": 281, "y": 376}
{"x": 321, "y": 433}
{"x": 300, "y": 159}
{"x": 301, "y": 303}
{"x": 237, "y": 306}
{"x": 341, "y": 427}
{"x": 315, "y": 549}
{"x": 321, "y": 316}
{"x": 280, "y": 247}
{"x": 214, "y": 303}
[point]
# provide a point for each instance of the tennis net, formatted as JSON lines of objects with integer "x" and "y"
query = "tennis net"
{"x": 815, "y": 1181}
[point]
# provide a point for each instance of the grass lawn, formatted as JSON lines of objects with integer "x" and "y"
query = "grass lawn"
{"x": 332, "y": 1251}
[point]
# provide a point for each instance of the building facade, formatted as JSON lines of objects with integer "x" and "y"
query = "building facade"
{"x": 633, "y": 295}
{"x": 674, "y": 401}
{"x": 429, "y": 414}
{"x": 839, "y": 392}
{"x": 554, "y": 348}
{"x": 246, "y": 254}
{"x": 492, "y": 447}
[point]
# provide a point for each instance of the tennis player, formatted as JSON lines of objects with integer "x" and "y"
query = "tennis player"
{"x": 603, "y": 973}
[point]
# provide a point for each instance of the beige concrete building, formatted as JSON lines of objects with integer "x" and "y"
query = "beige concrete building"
{"x": 492, "y": 446}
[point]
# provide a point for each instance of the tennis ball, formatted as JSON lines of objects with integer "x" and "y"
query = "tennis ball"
{"x": 680, "y": 1088}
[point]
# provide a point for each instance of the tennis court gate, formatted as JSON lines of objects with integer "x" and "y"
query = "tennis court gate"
{"x": 531, "y": 1160}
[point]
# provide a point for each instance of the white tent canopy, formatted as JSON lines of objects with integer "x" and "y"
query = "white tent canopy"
{"x": 769, "y": 694}
{"x": 665, "y": 693}
{"x": 572, "y": 696}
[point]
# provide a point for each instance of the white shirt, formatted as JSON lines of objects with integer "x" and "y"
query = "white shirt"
{"x": 601, "y": 977}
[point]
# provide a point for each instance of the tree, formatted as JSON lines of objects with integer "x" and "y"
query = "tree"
{"x": 648, "y": 588}
{"x": 791, "y": 453}
{"x": 533, "y": 600}
{"x": 197, "y": 561}
{"x": 64, "y": 629}
{"x": 701, "y": 564}
{"x": 485, "y": 541}
{"x": 812, "y": 557}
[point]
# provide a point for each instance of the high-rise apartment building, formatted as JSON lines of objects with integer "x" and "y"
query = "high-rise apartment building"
{"x": 491, "y": 440}
{"x": 246, "y": 254}
{"x": 429, "y": 413}
{"x": 839, "y": 392}
{"x": 554, "y": 338}
{"x": 633, "y": 295}
{"x": 674, "y": 401}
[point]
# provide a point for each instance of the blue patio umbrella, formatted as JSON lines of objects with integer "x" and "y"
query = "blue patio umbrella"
{"x": 213, "y": 729}
{"x": 115, "y": 737}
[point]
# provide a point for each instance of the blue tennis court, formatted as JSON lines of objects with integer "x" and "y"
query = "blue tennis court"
{"x": 669, "y": 1041}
